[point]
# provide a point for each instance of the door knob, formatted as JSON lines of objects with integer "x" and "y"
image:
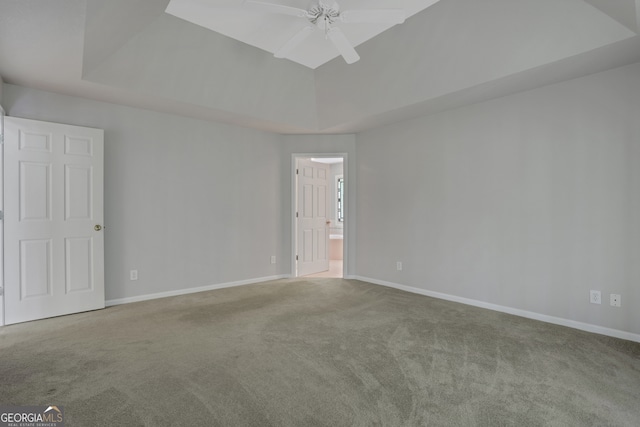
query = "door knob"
{"x": 98, "y": 227}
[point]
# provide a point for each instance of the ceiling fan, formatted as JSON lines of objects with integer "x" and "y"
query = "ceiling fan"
{"x": 323, "y": 15}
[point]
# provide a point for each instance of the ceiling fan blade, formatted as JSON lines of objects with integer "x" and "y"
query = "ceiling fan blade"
{"x": 342, "y": 44}
{"x": 275, "y": 8}
{"x": 294, "y": 41}
{"x": 375, "y": 16}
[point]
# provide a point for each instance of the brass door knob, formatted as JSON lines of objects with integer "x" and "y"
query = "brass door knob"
{"x": 98, "y": 227}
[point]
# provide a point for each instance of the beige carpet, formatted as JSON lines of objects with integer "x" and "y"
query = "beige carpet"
{"x": 317, "y": 352}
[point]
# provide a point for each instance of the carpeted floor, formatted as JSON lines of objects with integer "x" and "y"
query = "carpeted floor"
{"x": 317, "y": 352}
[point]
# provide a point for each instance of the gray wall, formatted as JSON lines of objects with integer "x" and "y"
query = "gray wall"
{"x": 527, "y": 201}
{"x": 188, "y": 203}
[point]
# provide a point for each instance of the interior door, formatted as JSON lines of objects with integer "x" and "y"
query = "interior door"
{"x": 313, "y": 217}
{"x": 54, "y": 243}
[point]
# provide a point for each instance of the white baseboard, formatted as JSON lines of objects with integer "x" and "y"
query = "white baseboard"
{"x": 177, "y": 292}
{"x": 503, "y": 309}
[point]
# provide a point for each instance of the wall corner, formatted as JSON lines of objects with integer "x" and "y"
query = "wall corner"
{"x": 1, "y": 87}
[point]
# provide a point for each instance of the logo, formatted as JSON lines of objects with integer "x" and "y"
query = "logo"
{"x": 31, "y": 416}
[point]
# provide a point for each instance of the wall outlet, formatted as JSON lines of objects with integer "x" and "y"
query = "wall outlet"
{"x": 399, "y": 265}
{"x": 133, "y": 275}
{"x": 595, "y": 297}
{"x": 273, "y": 259}
{"x": 614, "y": 299}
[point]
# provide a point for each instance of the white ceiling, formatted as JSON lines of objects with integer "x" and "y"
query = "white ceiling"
{"x": 269, "y": 32}
{"x": 452, "y": 53}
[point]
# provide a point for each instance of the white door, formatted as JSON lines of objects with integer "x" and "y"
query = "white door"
{"x": 53, "y": 242}
{"x": 313, "y": 217}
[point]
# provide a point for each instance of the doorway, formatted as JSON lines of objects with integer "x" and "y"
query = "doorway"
{"x": 319, "y": 194}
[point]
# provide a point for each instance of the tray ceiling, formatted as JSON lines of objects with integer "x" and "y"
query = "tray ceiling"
{"x": 448, "y": 54}
{"x": 269, "y": 31}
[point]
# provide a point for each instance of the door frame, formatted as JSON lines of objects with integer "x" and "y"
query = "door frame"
{"x": 2, "y": 114}
{"x": 294, "y": 205}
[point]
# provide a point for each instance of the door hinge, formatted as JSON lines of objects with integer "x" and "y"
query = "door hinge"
{"x": 296, "y": 257}
{"x": 296, "y": 214}
{"x": 1, "y": 216}
{"x": 297, "y": 171}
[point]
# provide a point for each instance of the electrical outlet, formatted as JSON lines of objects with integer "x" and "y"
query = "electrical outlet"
{"x": 595, "y": 297}
{"x": 273, "y": 259}
{"x": 133, "y": 275}
{"x": 614, "y": 300}
{"x": 399, "y": 265}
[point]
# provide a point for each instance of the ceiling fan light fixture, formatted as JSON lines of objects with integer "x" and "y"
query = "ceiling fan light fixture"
{"x": 324, "y": 16}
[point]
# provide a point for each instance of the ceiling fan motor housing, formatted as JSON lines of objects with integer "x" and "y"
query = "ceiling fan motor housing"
{"x": 323, "y": 15}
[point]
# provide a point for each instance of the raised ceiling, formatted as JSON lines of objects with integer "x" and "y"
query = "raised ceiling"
{"x": 452, "y": 53}
{"x": 269, "y": 32}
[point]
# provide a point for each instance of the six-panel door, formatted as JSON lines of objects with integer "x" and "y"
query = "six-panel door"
{"x": 54, "y": 244}
{"x": 313, "y": 217}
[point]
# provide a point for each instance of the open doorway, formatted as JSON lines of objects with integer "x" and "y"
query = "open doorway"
{"x": 319, "y": 215}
